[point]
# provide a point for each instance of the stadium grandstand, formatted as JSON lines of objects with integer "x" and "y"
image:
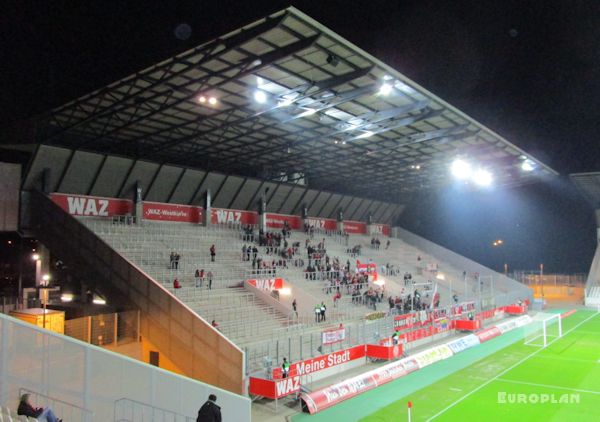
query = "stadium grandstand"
{"x": 226, "y": 222}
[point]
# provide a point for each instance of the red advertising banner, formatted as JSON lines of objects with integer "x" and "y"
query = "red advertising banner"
{"x": 355, "y": 227}
{"x": 336, "y": 393}
{"x": 324, "y": 362}
{"x": 269, "y": 284}
{"x": 274, "y": 389}
{"x": 334, "y": 336}
{"x": 172, "y": 212}
{"x": 322, "y": 223}
{"x": 488, "y": 334}
{"x": 225, "y": 216}
{"x": 277, "y": 221}
{"x": 92, "y": 206}
{"x": 382, "y": 229}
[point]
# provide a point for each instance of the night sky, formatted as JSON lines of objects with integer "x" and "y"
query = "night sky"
{"x": 529, "y": 70}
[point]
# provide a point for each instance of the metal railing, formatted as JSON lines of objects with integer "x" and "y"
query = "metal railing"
{"x": 62, "y": 409}
{"x": 128, "y": 410}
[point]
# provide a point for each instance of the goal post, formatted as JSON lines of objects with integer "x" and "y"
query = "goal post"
{"x": 543, "y": 330}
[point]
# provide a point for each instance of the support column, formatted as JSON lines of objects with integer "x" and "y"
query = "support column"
{"x": 138, "y": 205}
{"x": 304, "y": 215}
{"x": 207, "y": 211}
{"x": 370, "y": 224}
{"x": 340, "y": 220}
{"x": 262, "y": 213}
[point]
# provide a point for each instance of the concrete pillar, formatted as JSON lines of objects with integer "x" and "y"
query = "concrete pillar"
{"x": 138, "y": 205}
{"x": 207, "y": 211}
{"x": 304, "y": 215}
{"x": 370, "y": 224}
{"x": 340, "y": 221}
{"x": 262, "y": 212}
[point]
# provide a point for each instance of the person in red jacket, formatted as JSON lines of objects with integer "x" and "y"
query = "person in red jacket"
{"x": 176, "y": 284}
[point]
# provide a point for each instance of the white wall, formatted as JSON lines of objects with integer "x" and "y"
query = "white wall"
{"x": 94, "y": 378}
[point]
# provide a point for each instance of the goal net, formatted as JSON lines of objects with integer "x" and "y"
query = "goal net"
{"x": 543, "y": 330}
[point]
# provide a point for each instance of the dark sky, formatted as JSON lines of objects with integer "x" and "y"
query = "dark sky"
{"x": 529, "y": 70}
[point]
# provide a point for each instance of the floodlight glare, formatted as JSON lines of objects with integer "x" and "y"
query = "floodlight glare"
{"x": 461, "y": 169}
{"x": 527, "y": 165}
{"x": 260, "y": 96}
{"x": 385, "y": 89}
{"x": 366, "y": 134}
{"x": 284, "y": 102}
{"x": 212, "y": 101}
{"x": 483, "y": 178}
{"x": 35, "y": 257}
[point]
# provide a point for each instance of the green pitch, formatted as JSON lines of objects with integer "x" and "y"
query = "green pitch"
{"x": 508, "y": 384}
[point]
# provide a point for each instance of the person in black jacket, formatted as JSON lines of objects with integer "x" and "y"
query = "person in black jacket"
{"x": 209, "y": 412}
{"x": 26, "y": 409}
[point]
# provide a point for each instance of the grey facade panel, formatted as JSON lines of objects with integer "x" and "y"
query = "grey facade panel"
{"x": 53, "y": 158}
{"x": 242, "y": 200}
{"x": 111, "y": 176}
{"x": 186, "y": 187}
{"x": 352, "y": 208}
{"x": 329, "y": 210}
{"x": 213, "y": 182}
{"x": 81, "y": 172}
{"x": 163, "y": 184}
{"x": 144, "y": 172}
{"x": 318, "y": 203}
{"x": 279, "y": 197}
{"x": 344, "y": 206}
{"x": 295, "y": 195}
{"x": 361, "y": 211}
{"x": 307, "y": 200}
{"x": 227, "y": 192}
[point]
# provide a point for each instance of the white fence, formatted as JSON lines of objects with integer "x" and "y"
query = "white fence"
{"x": 94, "y": 379}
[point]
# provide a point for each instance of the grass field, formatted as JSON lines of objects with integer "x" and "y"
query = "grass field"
{"x": 568, "y": 369}
{"x": 484, "y": 383}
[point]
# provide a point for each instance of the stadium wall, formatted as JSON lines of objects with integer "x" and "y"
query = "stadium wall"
{"x": 189, "y": 342}
{"x": 94, "y": 378}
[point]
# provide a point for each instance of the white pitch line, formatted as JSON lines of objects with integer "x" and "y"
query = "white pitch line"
{"x": 505, "y": 371}
{"x": 548, "y": 386}
{"x": 455, "y": 389}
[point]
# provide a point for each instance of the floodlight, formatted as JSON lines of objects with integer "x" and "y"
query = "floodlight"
{"x": 528, "y": 165}
{"x": 483, "y": 178}
{"x": 99, "y": 301}
{"x": 35, "y": 257}
{"x": 202, "y": 99}
{"x": 461, "y": 169}
{"x": 385, "y": 89}
{"x": 66, "y": 297}
{"x": 260, "y": 96}
{"x": 212, "y": 101}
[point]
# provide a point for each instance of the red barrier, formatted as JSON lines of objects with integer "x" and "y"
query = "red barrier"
{"x": 323, "y": 362}
{"x": 467, "y": 325}
{"x": 515, "y": 309}
{"x": 322, "y": 223}
{"x": 384, "y": 352}
{"x": 92, "y": 206}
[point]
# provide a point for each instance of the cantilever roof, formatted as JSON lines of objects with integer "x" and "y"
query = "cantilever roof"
{"x": 589, "y": 186}
{"x": 324, "y": 118}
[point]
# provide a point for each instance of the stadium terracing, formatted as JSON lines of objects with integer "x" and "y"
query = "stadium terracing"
{"x": 281, "y": 122}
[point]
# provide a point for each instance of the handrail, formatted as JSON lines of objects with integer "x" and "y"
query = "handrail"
{"x": 175, "y": 417}
{"x": 49, "y": 401}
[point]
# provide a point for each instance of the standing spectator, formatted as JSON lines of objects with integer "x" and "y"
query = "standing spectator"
{"x": 244, "y": 249}
{"x": 285, "y": 368}
{"x": 213, "y": 253}
{"x": 176, "y": 284}
{"x": 197, "y": 277}
{"x": 317, "y": 313}
{"x": 323, "y": 308}
{"x": 387, "y": 245}
{"x": 209, "y": 412}
{"x": 215, "y": 325}
{"x": 336, "y": 297}
{"x": 172, "y": 260}
{"x": 209, "y": 276}
{"x": 295, "y": 307}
